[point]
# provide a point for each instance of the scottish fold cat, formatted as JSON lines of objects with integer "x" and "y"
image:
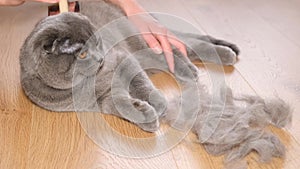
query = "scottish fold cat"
{"x": 66, "y": 53}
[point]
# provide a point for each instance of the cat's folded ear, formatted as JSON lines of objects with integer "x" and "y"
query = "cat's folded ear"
{"x": 62, "y": 46}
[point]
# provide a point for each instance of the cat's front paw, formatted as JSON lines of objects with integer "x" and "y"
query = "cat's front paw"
{"x": 151, "y": 122}
{"x": 149, "y": 127}
{"x": 185, "y": 70}
{"x": 226, "y": 55}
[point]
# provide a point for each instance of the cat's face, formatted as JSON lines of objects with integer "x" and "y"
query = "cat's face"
{"x": 62, "y": 45}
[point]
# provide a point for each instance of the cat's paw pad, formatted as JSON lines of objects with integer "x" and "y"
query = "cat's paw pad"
{"x": 149, "y": 113}
{"x": 227, "y": 55}
{"x": 151, "y": 122}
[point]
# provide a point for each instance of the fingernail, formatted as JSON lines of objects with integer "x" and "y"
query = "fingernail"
{"x": 157, "y": 50}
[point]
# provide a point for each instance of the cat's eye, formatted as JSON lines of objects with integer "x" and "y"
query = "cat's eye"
{"x": 82, "y": 55}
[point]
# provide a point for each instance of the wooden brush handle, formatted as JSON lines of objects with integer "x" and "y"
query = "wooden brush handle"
{"x": 63, "y": 6}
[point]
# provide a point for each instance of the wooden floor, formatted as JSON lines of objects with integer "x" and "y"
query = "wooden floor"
{"x": 267, "y": 31}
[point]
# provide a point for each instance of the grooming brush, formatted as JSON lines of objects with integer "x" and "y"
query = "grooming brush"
{"x": 63, "y": 6}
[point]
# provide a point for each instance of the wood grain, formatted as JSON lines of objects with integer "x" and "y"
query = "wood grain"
{"x": 266, "y": 31}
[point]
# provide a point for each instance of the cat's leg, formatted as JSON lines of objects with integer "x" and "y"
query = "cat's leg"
{"x": 209, "y": 49}
{"x": 134, "y": 110}
{"x": 208, "y": 52}
{"x": 135, "y": 77}
{"x": 220, "y": 42}
{"x": 131, "y": 92}
{"x": 142, "y": 88}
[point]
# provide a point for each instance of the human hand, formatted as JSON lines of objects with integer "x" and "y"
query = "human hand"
{"x": 54, "y": 10}
{"x": 156, "y": 36}
{"x": 19, "y": 2}
{"x": 46, "y": 1}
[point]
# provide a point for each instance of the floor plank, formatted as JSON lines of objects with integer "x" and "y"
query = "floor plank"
{"x": 15, "y": 108}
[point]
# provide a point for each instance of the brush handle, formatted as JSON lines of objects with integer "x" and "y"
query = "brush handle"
{"x": 63, "y": 6}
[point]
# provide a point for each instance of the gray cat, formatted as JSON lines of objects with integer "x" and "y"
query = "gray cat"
{"x": 64, "y": 55}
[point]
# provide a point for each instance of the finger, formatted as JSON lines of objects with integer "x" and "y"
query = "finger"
{"x": 72, "y": 6}
{"x": 152, "y": 43}
{"x": 53, "y": 13}
{"x": 46, "y": 1}
{"x": 178, "y": 44}
{"x": 166, "y": 47}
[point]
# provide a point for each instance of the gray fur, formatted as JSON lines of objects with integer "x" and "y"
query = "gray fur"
{"x": 52, "y": 51}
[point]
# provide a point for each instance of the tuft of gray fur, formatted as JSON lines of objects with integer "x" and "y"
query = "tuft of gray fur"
{"x": 241, "y": 129}
{"x": 52, "y": 53}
